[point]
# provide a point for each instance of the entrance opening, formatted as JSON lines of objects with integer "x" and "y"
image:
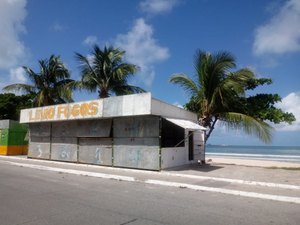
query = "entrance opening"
{"x": 171, "y": 135}
{"x": 191, "y": 145}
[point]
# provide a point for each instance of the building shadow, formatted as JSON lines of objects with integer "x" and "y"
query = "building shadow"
{"x": 195, "y": 167}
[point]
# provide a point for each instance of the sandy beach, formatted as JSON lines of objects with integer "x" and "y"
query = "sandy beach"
{"x": 250, "y": 162}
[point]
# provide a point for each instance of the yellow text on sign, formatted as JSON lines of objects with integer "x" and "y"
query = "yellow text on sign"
{"x": 64, "y": 111}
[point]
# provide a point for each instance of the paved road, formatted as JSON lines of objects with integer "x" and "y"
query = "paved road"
{"x": 31, "y": 196}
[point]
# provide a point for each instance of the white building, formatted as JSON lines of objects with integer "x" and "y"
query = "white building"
{"x": 134, "y": 131}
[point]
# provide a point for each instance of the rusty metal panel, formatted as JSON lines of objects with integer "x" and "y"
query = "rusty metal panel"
{"x": 39, "y": 147}
{"x": 143, "y": 126}
{"x": 95, "y": 151}
{"x": 40, "y": 129}
{"x": 64, "y": 149}
{"x": 141, "y": 153}
{"x": 94, "y": 128}
{"x": 64, "y": 129}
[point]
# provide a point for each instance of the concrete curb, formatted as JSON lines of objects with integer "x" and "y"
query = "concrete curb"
{"x": 280, "y": 198}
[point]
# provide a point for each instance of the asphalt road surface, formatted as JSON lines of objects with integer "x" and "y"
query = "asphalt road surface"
{"x": 35, "y": 197}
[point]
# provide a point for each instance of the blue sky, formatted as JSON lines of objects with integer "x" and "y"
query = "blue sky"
{"x": 161, "y": 36}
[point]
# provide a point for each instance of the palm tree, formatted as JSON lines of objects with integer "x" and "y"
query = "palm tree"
{"x": 106, "y": 72}
{"x": 49, "y": 85}
{"x": 216, "y": 94}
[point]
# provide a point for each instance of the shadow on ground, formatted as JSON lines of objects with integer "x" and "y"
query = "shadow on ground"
{"x": 196, "y": 167}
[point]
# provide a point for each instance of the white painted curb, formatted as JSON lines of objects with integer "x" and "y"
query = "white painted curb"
{"x": 76, "y": 172}
{"x": 226, "y": 191}
{"x": 237, "y": 181}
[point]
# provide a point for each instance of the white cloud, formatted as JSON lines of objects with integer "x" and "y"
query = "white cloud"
{"x": 15, "y": 76}
{"x": 90, "y": 40}
{"x": 291, "y": 104}
{"x": 18, "y": 75}
{"x": 12, "y": 15}
{"x": 57, "y": 27}
{"x": 158, "y": 6}
{"x": 282, "y": 33}
{"x": 178, "y": 104}
{"x": 142, "y": 49}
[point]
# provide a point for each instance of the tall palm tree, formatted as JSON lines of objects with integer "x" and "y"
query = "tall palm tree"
{"x": 49, "y": 85}
{"x": 105, "y": 71}
{"x": 216, "y": 91}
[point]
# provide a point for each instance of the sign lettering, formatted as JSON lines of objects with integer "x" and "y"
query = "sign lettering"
{"x": 66, "y": 111}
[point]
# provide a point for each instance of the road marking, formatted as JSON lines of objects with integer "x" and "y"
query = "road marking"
{"x": 162, "y": 183}
{"x": 244, "y": 182}
{"x": 76, "y": 172}
{"x": 226, "y": 191}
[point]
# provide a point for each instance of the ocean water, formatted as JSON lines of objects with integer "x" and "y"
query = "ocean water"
{"x": 274, "y": 153}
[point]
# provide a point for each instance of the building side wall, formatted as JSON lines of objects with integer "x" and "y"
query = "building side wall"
{"x": 172, "y": 157}
{"x": 166, "y": 110}
{"x": 199, "y": 146}
{"x": 177, "y": 156}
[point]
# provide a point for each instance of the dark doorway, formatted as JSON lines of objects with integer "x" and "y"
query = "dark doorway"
{"x": 191, "y": 145}
{"x": 171, "y": 135}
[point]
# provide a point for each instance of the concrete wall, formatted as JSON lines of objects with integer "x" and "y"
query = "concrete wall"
{"x": 166, "y": 110}
{"x": 199, "y": 146}
{"x": 95, "y": 151}
{"x": 172, "y": 157}
{"x": 39, "y": 140}
{"x": 136, "y": 142}
{"x": 141, "y": 153}
{"x": 94, "y": 128}
{"x": 128, "y": 105}
{"x": 64, "y": 149}
{"x": 132, "y": 142}
{"x": 39, "y": 147}
{"x": 118, "y": 106}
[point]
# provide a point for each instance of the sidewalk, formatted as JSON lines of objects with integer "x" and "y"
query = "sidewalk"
{"x": 250, "y": 170}
{"x": 215, "y": 169}
{"x": 244, "y": 181}
{"x": 252, "y": 162}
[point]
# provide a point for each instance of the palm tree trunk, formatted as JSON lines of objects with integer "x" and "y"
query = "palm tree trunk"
{"x": 103, "y": 93}
{"x": 212, "y": 127}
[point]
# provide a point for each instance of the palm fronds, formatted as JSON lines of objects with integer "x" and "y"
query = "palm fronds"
{"x": 105, "y": 71}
